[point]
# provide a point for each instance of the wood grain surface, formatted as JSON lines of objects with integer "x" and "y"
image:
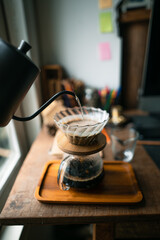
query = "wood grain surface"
{"x": 118, "y": 186}
{"x": 69, "y": 148}
{"x": 23, "y": 208}
{"x": 103, "y": 231}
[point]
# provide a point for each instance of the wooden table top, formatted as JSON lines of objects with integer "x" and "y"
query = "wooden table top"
{"x": 23, "y": 208}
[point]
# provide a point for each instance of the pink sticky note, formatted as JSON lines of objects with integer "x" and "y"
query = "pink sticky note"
{"x": 104, "y": 51}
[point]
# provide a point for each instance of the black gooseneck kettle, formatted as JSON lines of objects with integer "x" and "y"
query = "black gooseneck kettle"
{"x": 17, "y": 74}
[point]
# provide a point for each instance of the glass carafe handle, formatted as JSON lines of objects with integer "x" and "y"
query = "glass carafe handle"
{"x": 61, "y": 172}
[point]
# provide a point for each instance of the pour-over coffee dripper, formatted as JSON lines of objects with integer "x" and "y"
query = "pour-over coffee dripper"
{"x": 82, "y": 139}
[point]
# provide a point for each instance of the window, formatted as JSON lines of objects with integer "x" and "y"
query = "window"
{"x": 9, "y": 153}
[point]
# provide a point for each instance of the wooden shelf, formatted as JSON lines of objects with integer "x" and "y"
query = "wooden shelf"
{"x": 135, "y": 16}
{"x": 134, "y": 32}
{"x": 51, "y": 80}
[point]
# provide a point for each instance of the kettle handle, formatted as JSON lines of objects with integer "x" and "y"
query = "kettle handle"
{"x": 61, "y": 172}
{"x": 22, "y": 119}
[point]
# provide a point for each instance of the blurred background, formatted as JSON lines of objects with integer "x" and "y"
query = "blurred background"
{"x": 105, "y": 51}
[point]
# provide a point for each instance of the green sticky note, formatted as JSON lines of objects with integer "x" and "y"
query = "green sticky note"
{"x": 105, "y": 19}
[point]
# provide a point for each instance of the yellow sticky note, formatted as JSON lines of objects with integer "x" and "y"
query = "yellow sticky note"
{"x": 105, "y": 4}
{"x": 105, "y": 20}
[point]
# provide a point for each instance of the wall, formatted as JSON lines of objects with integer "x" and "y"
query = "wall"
{"x": 17, "y": 29}
{"x": 33, "y": 40}
{"x": 69, "y": 35}
{"x": 3, "y": 33}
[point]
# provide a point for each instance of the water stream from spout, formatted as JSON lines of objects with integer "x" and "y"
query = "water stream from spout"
{"x": 80, "y": 106}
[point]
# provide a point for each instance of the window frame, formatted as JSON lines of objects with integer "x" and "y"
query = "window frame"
{"x": 14, "y": 158}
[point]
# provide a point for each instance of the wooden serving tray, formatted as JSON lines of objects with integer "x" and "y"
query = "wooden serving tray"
{"x": 118, "y": 186}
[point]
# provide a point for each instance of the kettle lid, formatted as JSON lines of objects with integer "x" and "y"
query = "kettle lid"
{"x": 19, "y": 52}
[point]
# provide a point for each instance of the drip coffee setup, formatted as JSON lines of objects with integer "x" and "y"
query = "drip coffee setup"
{"x": 82, "y": 140}
{"x": 81, "y": 126}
